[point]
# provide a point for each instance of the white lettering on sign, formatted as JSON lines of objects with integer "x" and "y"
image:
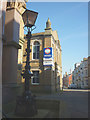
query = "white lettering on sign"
{"x": 48, "y": 55}
{"x": 48, "y": 63}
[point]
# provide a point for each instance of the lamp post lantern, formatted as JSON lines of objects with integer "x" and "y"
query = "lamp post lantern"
{"x": 26, "y": 105}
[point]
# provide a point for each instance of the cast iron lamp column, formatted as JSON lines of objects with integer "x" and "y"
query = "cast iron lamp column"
{"x": 27, "y": 74}
{"x": 26, "y": 105}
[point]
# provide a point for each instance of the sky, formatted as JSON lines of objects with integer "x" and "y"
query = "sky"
{"x": 70, "y": 19}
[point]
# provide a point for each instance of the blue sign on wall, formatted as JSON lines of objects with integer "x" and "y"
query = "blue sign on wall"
{"x": 48, "y": 52}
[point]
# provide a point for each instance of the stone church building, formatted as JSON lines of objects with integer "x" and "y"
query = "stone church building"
{"x": 47, "y": 73}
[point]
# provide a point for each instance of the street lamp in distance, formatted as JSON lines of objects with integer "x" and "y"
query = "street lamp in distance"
{"x": 26, "y": 105}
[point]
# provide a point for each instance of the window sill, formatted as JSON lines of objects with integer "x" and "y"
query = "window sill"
{"x": 35, "y": 83}
{"x": 34, "y": 60}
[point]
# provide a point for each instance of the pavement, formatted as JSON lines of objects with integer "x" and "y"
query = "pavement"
{"x": 82, "y": 90}
{"x": 75, "y": 102}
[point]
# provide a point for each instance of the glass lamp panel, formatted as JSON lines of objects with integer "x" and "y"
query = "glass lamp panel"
{"x": 29, "y": 18}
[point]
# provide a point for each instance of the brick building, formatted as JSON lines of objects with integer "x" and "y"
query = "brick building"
{"x": 67, "y": 80}
{"x": 47, "y": 72}
{"x": 70, "y": 79}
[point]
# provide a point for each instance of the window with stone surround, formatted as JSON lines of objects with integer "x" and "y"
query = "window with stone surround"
{"x": 35, "y": 79}
{"x": 36, "y": 49}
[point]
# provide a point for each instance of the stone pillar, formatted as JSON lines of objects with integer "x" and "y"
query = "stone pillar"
{"x": 20, "y": 51}
{"x": 2, "y": 24}
{"x": 10, "y": 50}
{"x": 2, "y": 37}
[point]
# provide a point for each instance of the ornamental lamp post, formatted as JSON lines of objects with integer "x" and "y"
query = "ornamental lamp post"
{"x": 29, "y": 18}
{"x": 25, "y": 104}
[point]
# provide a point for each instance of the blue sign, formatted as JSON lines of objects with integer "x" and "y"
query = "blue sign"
{"x": 48, "y": 52}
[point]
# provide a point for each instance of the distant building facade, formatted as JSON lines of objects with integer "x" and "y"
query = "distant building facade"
{"x": 70, "y": 78}
{"x": 67, "y": 80}
{"x": 75, "y": 74}
{"x": 47, "y": 73}
{"x": 80, "y": 74}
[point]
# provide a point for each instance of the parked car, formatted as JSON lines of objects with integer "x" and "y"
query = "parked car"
{"x": 64, "y": 87}
{"x": 72, "y": 86}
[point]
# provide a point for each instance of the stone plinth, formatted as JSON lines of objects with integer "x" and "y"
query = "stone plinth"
{"x": 49, "y": 104}
{"x": 11, "y": 91}
{"x": 46, "y": 108}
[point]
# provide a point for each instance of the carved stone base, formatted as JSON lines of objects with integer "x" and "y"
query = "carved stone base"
{"x": 26, "y": 106}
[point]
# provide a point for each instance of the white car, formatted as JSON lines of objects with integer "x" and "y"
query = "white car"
{"x": 72, "y": 86}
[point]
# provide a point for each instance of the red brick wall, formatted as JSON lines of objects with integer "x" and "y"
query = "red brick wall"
{"x": 70, "y": 79}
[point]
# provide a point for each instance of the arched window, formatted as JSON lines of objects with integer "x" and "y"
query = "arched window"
{"x": 36, "y": 48}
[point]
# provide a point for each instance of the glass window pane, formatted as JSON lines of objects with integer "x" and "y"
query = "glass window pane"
{"x": 37, "y": 48}
{"x": 35, "y": 52}
{"x": 35, "y": 76}
{"x": 37, "y": 55}
{"x": 34, "y": 49}
{"x": 33, "y": 55}
{"x": 33, "y": 80}
{"x": 36, "y": 43}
